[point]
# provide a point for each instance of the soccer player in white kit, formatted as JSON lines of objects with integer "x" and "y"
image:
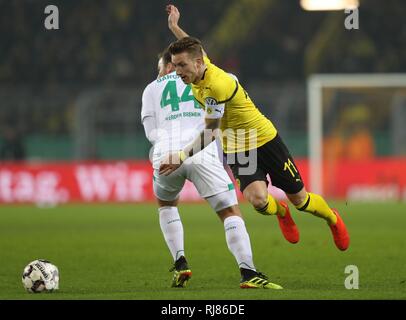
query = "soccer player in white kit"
{"x": 171, "y": 119}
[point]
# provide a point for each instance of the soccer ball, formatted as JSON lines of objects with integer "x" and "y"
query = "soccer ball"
{"x": 40, "y": 276}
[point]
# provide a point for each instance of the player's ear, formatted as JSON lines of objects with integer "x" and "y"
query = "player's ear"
{"x": 170, "y": 67}
{"x": 199, "y": 61}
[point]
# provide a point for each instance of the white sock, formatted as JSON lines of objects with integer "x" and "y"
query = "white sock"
{"x": 238, "y": 241}
{"x": 172, "y": 229}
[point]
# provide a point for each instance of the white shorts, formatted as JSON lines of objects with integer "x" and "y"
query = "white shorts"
{"x": 204, "y": 170}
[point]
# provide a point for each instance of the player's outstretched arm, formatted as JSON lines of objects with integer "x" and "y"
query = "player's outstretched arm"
{"x": 173, "y": 19}
{"x": 204, "y": 139}
{"x": 175, "y": 160}
{"x": 173, "y": 23}
{"x": 148, "y": 115}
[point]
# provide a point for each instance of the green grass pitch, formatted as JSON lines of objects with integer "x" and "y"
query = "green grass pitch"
{"x": 118, "y": 252}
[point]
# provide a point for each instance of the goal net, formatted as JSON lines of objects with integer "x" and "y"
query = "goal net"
{"x": 357, "y": 136}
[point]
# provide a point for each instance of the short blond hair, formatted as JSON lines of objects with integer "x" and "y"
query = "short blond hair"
{"x": 191, "y": 45}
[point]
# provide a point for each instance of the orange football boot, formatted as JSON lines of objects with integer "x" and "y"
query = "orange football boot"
{"x": 288, "y": 226}
{"x": 340, "y": 233}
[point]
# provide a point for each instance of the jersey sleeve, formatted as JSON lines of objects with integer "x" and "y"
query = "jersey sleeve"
{"x": 148, "y": 117}
{"x": 214, "y": 110}
{"x": 223, "y": 85}
{"x": 150, "y": 129}
{"x": 147, "y": 109}
{"x": 224, "y": 88}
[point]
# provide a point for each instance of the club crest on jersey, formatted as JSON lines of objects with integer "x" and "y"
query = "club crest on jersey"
{"x": 210, "y": 102}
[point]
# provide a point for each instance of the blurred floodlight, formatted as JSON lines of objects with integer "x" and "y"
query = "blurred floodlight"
{"x": 313, "y": 5}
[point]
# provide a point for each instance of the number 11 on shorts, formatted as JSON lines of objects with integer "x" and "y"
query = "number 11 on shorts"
{"x": 291, "y": 167}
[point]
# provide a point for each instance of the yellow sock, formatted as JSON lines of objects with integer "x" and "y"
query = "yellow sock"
{"x": 272, "y": 207}
{"x": 318, "y": 207}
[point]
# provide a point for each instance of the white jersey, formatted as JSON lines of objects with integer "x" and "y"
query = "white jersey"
{"x": 178, "y": 120}
{"x": 178, "y": 117}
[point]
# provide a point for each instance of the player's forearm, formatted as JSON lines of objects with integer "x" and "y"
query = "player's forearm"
{"x": 150, "y": 129}
{"x": 173, "y": 25}
{"x": 178, "y": 32}
{"x": 201, "y": 142}
{"x": 205, "y": 137}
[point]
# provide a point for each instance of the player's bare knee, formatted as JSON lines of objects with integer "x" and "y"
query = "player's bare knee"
{"x": 229, "y": 212}
{"x": 164, "y": 203}
{"x": 257, "y": 194}
{"x": 258, "y": 200}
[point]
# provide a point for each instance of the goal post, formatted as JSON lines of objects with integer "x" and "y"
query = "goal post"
{"x": 316, "y": 85}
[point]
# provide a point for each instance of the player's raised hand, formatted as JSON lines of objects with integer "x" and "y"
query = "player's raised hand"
{"x": 173, "y": 15}
{"x": 170, "y": 164}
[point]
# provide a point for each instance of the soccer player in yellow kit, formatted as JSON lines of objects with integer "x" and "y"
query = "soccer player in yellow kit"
{"x": 249, "y": 139}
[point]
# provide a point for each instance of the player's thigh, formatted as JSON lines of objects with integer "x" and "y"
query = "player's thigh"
{"x": 225, "y": 204}
{"x": 274, "y": 156}
{"x": 167, "y": 188}
{"x": 245, "y": 178}
{"x": 209, "y": 177}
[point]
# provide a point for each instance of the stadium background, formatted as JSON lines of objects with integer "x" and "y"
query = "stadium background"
{"x": 70, "y": 103}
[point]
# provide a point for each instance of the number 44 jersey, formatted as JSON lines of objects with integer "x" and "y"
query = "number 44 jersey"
{"x": 178, "y": 117}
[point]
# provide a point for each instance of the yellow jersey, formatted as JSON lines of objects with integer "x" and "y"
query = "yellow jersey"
{"x": 243, "y": 126}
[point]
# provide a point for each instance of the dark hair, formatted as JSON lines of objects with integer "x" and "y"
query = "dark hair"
{"x": 190, "y": 45}
{"x": 166, "y": 57}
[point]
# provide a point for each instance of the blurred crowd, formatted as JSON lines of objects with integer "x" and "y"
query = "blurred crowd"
{"x": 105, "y": 41}
{"x": 115, "y": 43}
{"x": 99, "y": 41}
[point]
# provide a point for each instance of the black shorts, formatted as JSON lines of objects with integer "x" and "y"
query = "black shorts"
{"x": 274, "y": 159}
